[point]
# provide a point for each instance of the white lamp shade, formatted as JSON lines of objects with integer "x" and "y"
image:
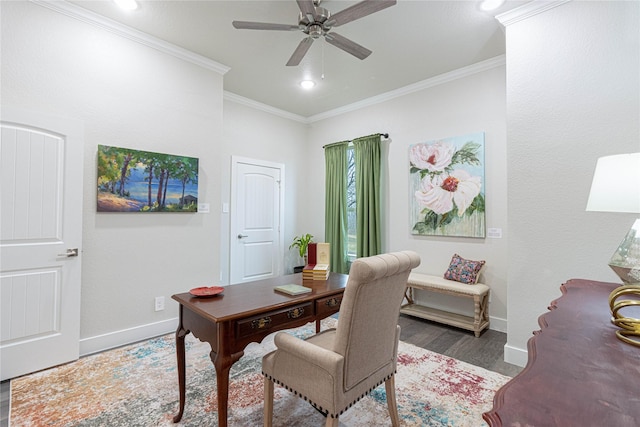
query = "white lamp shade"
{"x": 616, "y": 184}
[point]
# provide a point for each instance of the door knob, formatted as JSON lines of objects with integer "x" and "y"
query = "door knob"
{"x": 70, "y": 253}
{"x": 240, "y": 236}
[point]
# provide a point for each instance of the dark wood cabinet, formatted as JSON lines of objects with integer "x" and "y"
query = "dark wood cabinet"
{"x": 578, "y": 372}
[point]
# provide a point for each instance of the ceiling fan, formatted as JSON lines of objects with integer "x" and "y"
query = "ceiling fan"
{"x": 316, "y": 22}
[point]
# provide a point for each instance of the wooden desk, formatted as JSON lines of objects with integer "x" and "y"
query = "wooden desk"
{"x": 247, "y": 313}
{"x": 578, "y": 373}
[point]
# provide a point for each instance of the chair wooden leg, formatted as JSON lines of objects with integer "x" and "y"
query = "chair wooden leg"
{"x": 331, "y": 422}
{"x": 268, "y": 402}
{"x": 390, "y": 388}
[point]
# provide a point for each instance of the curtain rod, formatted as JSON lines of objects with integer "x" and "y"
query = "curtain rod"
{"x": 385, "y": 135}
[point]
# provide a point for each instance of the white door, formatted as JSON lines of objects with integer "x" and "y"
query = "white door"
{"x": 257, "y": 201}
{"x": 40, "y": 237}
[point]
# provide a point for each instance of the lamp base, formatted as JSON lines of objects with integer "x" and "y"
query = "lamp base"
{"x": 629, "y": 331}
{"x": 625, "y": 261}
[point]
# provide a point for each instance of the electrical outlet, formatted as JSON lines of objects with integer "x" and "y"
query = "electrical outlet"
{"x": 159, "y": 303}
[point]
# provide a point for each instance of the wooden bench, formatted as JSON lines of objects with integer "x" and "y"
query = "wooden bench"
{"x": 479, "y": 292}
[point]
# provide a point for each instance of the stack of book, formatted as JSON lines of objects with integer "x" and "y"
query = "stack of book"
{"x": 318, "y": 262}
{"x": 315, "y": 272}
{"x": 318, "y": 253}
{"x": 322, "y": 254}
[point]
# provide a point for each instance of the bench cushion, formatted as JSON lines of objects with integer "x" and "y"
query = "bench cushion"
{"x": 436, "y": 282}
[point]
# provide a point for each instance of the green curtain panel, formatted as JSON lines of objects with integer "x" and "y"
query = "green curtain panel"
{"x": 367, "y": 162}
{"x": 335, "y": 214}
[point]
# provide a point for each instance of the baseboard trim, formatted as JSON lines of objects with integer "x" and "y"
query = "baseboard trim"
{"x": 515, "y": 356}
{"x": 498, "y": 324}
{"x": 115, "y": 339}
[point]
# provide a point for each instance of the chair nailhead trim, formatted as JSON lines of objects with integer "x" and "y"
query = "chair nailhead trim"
{"x": 325, "y": 412}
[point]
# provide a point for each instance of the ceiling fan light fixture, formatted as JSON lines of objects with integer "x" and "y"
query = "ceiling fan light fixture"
{"x": 488, "y": 5}
{"x": 315, "y": 31}
{"x": 126, "y": 4}
{"x": 307, "y": 84}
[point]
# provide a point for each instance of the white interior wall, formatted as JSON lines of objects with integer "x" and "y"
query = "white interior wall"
{"x": 573, "y": 93}
{"x": 256, "y": 134}
{"x": 474, "y": 103}
{"x": 573, "y": 96}
{"x": 127, "y": 95}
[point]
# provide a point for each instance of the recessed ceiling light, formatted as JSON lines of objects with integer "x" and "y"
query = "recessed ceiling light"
{"x": 491, "y": 4}
{"x": 307, "y": 84}
{"x": 127, "y": 4}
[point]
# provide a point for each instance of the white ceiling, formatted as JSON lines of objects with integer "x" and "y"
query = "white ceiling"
{"x": 411, "y": 41}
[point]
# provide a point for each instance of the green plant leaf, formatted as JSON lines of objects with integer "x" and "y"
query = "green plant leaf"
{"x": 447, "y": 217}
{"x": 431, "y": 220}
{"x": 422, "y": 228}
{"x": 476, "y": 205}
{"x": 467, "y": 154}
{"x": 301, "y": 243}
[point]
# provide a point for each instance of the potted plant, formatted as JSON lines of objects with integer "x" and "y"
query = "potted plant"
{"x": 301, "y": 243}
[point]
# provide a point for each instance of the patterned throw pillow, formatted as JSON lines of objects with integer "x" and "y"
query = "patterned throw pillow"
{"x": 463, "y": 270}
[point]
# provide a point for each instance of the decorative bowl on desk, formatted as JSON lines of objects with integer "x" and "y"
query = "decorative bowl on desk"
{"x": 206, "y": 292}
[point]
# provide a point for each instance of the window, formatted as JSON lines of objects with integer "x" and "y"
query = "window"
{"x": 351, "y": 203}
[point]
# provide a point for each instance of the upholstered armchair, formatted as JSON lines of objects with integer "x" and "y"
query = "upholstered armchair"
{"x": 332, "y": 370}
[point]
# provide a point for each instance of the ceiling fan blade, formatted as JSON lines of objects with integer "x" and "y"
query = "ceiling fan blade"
{"x": 300, "y": 51}
{"x": 347, "y": 45}
{"x": 307, "y": 8}
{"x": 359, "y": 10}
{"x": 246, "y": 25}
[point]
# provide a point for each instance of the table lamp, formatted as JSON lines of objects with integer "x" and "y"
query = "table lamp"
{"x": 616, "y": 188}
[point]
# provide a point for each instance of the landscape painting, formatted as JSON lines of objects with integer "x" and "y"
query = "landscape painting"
{"x": 446, "y": 179}
{"x": 142, "y": 181}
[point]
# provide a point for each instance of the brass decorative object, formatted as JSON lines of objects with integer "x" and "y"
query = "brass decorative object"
{"x": 630, "y": 327}
{"x": 295, "y": 313}
{"x": 332, "y": 302}
{"x": 261, "y": 323}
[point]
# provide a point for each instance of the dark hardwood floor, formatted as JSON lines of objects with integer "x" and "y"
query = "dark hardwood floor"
{"x": 485, "y": 351}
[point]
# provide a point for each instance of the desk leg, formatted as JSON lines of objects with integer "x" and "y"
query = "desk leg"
{"x": 223, "y": 366}
{"x": 180, "y": 353}
{"x": 223, "y": 359}
{"x": 222, "y": 383}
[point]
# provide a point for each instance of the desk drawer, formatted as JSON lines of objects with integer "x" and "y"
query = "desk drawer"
{"x": 329, "y": 305}
{"x": 273, "y": 319}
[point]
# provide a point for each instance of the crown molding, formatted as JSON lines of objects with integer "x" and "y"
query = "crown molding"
{"x": 416, "y": 87}
{"x": 528, "y": 10}
{"x": 230, "y": 96}
{"x": 406, "y": 90}
{"x": 119, "y": 29}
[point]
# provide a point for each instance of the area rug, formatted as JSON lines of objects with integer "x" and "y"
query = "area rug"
{"x": 137, "y": 385}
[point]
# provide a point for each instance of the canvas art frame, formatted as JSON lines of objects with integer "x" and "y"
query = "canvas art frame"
{"x": 447, "y": 193}
{"x": 143, "y": 181}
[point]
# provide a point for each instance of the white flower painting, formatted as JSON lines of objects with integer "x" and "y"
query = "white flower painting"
{"x": 447, "y": 187}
